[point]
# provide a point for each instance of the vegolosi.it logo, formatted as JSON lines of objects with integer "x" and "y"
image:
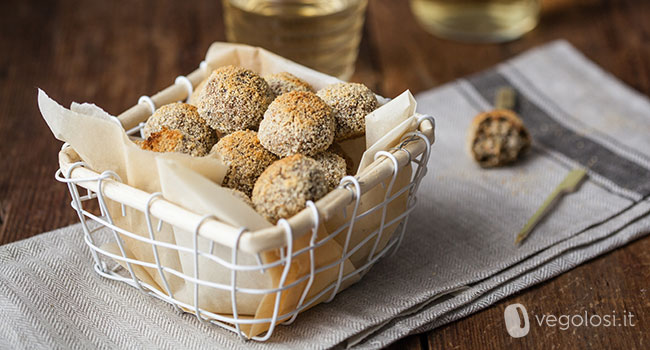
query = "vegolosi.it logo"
{"x": 518, "y": 322}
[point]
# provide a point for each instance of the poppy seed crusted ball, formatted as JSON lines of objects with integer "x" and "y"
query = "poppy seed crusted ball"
{"x": 281, "y": 83}
{"x": 297, "y": 122}
{"x": 246, "y": 159}
{"x": 334, "y": 166}
{"x": 234, "y": 98}
{"x": 350, "y": 103}
{"x": 197, "y": 137}
{"x": 285, "y": 187}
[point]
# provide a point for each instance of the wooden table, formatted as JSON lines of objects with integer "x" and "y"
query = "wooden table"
{"x": 111, "y": 52}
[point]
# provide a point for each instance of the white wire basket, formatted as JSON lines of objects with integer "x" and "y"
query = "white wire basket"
{"x": 411, "y": 152}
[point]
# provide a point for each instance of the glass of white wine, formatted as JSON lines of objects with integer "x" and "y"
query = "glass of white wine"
{"x": 477, "y": 20}
{"x": 321, "y": 34}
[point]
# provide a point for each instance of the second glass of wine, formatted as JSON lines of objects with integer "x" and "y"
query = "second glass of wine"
{"x": 477, "y": 20}
{"x": 321, "y": 34}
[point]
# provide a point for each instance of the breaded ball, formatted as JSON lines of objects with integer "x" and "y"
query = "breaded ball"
{"x": 138, "y": 142}
{"x": 245, "y": 157}
{"x": 338, "y": 150}
{"x": 242, "y": 196}
{"x": 197, "y": 137}
{"x": 497, "y": 138}
{"x": 350, "y": 103}
{"x": 198, "y": 90}
{"x": 281, "y": 83}
{"x": 284, "y": 188}
{"x": 165, "y": 140}
{"x": 234, "y": 98}
{"x": 297, "y": 122}
{"x": 334, "y": 166}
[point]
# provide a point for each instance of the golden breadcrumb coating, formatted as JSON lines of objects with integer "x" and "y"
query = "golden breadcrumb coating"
{"x": 245, "y": 157}
{"x": 194, "y": 97}
{"x": 234, "y": 98}
{"x": 138, "y": 142}
{"x": 350, "y": 103}
{"x": 284, "y": 188}
{"x": 281, "y": 83}
{"x": 297, "y": 122}
{"x": 197, "y": 137}
{"x": 334, "y": 166}
{"x": 165, "y": 140}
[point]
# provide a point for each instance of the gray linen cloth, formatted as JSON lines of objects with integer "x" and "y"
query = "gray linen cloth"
{"x": 457, "y": 257}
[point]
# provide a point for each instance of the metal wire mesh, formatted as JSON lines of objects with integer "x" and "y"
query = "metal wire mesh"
{"x": 104, "y": 225}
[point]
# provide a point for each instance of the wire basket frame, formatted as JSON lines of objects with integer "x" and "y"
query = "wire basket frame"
{"x": 414, "y": 148}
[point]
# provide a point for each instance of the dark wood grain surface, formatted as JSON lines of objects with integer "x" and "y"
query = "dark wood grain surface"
{"x": 111, "y": 52}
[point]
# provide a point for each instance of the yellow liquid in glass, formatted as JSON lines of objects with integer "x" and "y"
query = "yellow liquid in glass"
{"x": 477, "y": 20}
{"x": 321, "y": 34}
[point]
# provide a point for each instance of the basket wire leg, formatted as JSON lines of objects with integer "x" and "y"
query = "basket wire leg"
{"x": 281, "y": 252}
{"x": 312, "y": 264}
{"x": 102, "y": 205}
{"x": 78, "y": 206}
{"x": 287, "y": 266}
{"x": 197, "y": 310}
{"x": 411, "y": 202}
{"x": 258, "y": 259}
{"x": 424, "y": 158}
{"x": 357, "y": 200}
{"x": 233, "y": 283}
{"x": 154, "y": 246}
{"x": 420, "y": 172}
{"x": 385, "y": 203}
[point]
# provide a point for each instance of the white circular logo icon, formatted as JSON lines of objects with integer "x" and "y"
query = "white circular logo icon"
{"x": 516, "y": 318}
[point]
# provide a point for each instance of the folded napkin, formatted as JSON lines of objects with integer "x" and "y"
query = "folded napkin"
{"x": 457, "y": 256}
